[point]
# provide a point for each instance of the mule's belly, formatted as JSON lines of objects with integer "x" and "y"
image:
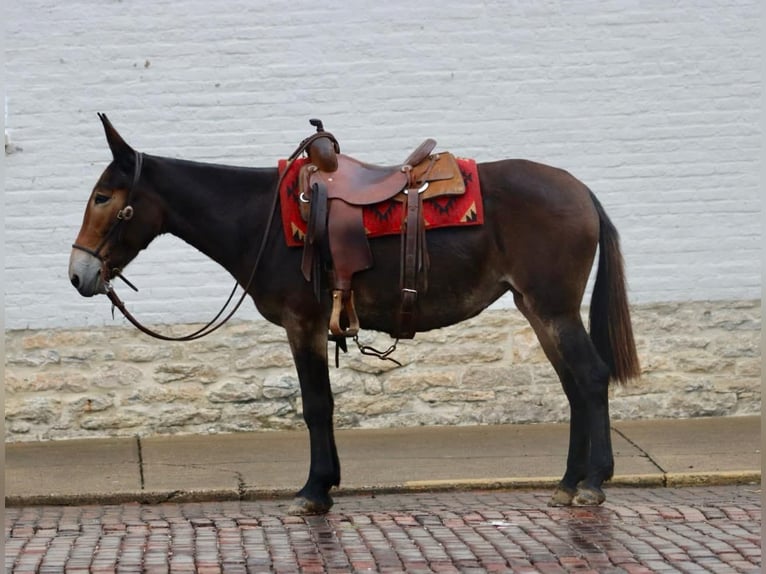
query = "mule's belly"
{"x": 462, "y": 282}
{"x": 433, "y": 309}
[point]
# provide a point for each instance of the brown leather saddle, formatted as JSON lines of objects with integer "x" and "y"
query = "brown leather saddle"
{"x": 334, "y": 190}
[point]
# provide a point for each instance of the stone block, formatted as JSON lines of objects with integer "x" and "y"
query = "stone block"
{"x": 365, "y": 406}
{"x": 35, "y": 409}
{"x": 112, "y": 420}
{"x": 434, "y": 395}
{"x": 144, "y": 353}
{"x": 748, "y": 367}
{"x": 65, "y": 382}
{"x": 281, "y": 386}
{"x": 191, "y": 372}
{"x": 271, "y": 355}
{"x": 116, "y": 376}
{"x": 164, "y": 417}
{"x": 236, "y": 391}
{"x": 36, "y": 358}
{"x": 413, "y": 380}
{"x": 93, "y": 404}
{"x": 508, "y": 376}
{"x": 457, "y": 355}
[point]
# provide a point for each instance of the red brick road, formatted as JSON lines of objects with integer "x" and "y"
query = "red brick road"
{"x": 714, "y": 529}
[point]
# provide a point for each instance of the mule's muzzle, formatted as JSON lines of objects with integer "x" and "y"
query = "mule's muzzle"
{"x": 85, "y": 273}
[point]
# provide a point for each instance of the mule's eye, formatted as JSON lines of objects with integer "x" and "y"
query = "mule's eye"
{"x": 100, "y": 198}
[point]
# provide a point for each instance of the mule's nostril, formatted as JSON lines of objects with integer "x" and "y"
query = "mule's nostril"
{"x": 75, "y": 281}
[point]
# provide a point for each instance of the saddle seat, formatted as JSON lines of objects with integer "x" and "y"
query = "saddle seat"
{"x": 334, "y": 188}
{"x": 359, "y": 183}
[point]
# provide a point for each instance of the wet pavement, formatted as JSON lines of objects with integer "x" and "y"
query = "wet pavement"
{"x": 694, "y": 529}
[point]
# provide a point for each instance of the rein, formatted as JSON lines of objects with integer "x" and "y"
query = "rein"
{"x": 126, "y": 213}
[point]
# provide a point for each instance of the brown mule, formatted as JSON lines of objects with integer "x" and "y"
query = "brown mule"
{"x": 541, "y": 231}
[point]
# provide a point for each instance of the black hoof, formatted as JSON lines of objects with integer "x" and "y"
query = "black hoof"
{"x": 302, "y": 506}
{"x": 562, "y": 496}
{"x": 588, "y": 496}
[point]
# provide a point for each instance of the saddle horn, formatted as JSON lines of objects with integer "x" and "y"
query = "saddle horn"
{"x": 317, "y": 123}
{"x": 323, "y": 149}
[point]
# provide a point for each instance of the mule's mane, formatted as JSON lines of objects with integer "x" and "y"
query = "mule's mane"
{"x": 223, "y": 191}
{"x": 201, "y": 167}
{"x": 188, "y": 163}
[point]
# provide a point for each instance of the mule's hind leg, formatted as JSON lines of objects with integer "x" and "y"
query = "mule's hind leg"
{"x": 591, "y": 376}
{"x": 584, "y": 377}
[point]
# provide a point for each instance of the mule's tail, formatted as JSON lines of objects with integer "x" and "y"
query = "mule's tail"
{"x": 610, "y": 326}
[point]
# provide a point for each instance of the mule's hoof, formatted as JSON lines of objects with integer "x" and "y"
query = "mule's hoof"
{"x": 562, "y": 497}
{"x": 303, "y": 507}
{"x": 589, "y": 497}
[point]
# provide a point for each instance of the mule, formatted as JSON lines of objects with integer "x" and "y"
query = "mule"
{"x": 539, "y": 239}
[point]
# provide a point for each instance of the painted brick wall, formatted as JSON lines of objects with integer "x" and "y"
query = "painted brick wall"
{"x": 655, "y": 105}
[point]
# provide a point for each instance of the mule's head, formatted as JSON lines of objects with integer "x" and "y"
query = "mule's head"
{"x": 121, "y": 218}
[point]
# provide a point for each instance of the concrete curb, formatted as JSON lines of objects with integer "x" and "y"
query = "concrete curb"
{"x": 718, "y": 478}
{"x": 659, "y": 480}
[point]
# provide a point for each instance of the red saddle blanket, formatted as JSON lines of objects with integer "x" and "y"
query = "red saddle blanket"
{"x": 386, "y": 218}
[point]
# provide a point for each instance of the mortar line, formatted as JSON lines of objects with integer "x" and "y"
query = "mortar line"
{"x": 645, "y": 454}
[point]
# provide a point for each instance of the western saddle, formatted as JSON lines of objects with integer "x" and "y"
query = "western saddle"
{"x": 334, "y": 188}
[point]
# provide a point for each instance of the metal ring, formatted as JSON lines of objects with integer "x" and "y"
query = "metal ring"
{"x": 421, "y": 189}
{"x": 302, "y": 197}
{"x": 125, "y": 213}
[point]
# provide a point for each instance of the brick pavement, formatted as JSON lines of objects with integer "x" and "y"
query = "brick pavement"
{"x": 705, "y": 529}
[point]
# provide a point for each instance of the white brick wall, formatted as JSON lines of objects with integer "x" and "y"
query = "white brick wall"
{"x": 655, "y": 105}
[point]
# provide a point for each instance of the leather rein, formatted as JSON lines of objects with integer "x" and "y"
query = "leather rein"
{"x": 126, "y": 213}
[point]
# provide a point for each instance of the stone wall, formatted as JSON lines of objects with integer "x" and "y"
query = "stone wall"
{"x": 699, "y": 359}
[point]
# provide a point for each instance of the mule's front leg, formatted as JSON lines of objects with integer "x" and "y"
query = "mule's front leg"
{"x": 310, "y": 355}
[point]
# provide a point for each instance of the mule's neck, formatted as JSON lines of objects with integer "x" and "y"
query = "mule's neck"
{"x": 220, "y": 210}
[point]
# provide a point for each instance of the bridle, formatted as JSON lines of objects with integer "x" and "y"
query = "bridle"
{"x": 123, "y": 215}
{"x": 126, "y": 213}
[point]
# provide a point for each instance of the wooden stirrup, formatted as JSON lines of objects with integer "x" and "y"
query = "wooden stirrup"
{"x": 343, "y": 303}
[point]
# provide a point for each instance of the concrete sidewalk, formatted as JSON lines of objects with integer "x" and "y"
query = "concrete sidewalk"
{"x": 266, "y": 464}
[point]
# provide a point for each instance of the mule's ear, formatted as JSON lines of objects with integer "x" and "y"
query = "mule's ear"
{"x": 124, "y": 155}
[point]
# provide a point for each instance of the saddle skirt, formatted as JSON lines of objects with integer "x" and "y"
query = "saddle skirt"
{"x": 443, "y": 206}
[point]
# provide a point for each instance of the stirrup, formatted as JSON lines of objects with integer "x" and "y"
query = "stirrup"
{"x": 343, "y": 302}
